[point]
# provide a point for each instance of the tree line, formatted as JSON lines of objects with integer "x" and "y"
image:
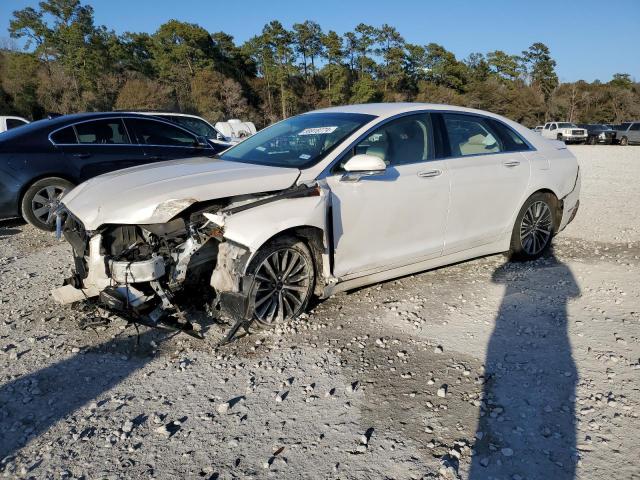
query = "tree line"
{"x": 69, "y": 64}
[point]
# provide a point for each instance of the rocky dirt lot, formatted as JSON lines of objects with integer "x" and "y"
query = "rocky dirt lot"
{"x": 479, "y": 370}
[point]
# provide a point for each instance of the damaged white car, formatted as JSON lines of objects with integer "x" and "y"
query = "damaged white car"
{"x": 319, "y": 203}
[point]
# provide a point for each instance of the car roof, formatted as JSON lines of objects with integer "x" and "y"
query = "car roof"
{"x": 47, "y": 125}
{"x": 160, "y": 113}
{"x": 394, "y": 108}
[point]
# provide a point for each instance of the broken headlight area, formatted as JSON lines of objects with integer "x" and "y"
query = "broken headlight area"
{"x": 153, "y": 274}
{"x": 162, "y": 274}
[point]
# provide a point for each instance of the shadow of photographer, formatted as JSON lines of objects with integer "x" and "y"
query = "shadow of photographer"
{"x": 527, "y": 420}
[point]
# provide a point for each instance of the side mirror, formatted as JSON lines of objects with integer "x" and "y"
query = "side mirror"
{"x": 220, "y": 137}
{"x": 363, "y": 165}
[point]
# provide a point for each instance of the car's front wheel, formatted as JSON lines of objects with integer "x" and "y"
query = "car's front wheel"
{"x": 534, "y": 227}
{"x": 41, "y": 199}
{"x": 284, "y": 277}
{"x": 624, "y": 141}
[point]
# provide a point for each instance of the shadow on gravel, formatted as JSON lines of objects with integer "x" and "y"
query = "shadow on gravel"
{"x": 6, "y": 232}
{"x": 11, "y": 223}
{"x": 10, "y": 227}
{"x": 31, "y": 404}
{"x": 527, "y": 420}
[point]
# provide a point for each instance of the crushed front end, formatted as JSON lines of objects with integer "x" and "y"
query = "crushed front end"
{"x": 151, "y": 274}
{"x": 168, "y": 274}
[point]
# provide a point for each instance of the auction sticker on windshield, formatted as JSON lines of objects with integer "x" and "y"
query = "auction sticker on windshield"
{"x": 317, "y": 130}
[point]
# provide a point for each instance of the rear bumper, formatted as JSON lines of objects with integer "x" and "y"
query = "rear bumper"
{"x": 570, "y": 204}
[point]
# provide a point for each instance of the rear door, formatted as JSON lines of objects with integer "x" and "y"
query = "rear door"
{"x": 98, "y": 146}
{"x": 165, "y": 141}
{"x": 489, "y": 177}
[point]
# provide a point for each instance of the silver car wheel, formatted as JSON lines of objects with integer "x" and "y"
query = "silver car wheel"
{"x": 45, "y": 202}
{"x": 283, "y": 284}
{"x": 536, "y": 228}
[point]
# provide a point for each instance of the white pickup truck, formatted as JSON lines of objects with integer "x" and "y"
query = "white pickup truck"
{"x": 9, "y": 122}
{"x": 565, "y": 131}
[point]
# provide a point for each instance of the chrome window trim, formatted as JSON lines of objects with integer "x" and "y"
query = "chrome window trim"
{"x": 132, "y": 144}
{"x": 327, "y": 172}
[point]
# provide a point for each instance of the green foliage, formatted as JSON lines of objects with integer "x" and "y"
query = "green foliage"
{"x": 308, "y": 43}
{"x": 364, "y": 90}
{"x": 71, "y": 65}
{"x": 504, "y": 66}
{"x": 541, "y": 68}
{"x": 622, "y": 80}
{"x": 19, "y": 74}
{"x": 443, "y": 69}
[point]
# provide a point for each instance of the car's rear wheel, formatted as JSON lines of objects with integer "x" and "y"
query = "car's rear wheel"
{"x": 41, "y": 199}
{"x": 624, "y": 141}
{"x": 284, "y": 279}
{"x": 534, "y": 227}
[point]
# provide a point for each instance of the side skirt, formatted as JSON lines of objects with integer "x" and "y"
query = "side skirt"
{"x": 370, "y": 279}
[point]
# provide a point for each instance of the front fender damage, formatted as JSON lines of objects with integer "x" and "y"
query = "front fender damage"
{"x": 155, "y": 274}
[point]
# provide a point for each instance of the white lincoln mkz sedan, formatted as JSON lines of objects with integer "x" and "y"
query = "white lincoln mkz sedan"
{"x": 319, "y": 203}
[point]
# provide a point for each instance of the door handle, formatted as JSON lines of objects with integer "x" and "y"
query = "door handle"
{"x": 430, "y": 173}
{"x": 81, "y": 155}
{"x": 513, "y": 163}
{"x": 155, "y": 157}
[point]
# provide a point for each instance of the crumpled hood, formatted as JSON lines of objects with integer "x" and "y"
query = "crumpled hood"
{"x": 155, "y": 193}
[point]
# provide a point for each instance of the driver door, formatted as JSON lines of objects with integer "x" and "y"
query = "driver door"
{"x": 395, "y": 218}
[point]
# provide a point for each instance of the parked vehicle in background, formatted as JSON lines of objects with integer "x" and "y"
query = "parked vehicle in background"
{"x": 538, "y": 128}
{"x": 316, "y": 204}
{"x": 628, "y": 133}
{"x": 236, "y": 129}
{"x": 196, "y": 124}
{"x": 41, "y": 161}
{"x": 598, "y": 133}
{"x": 10, "y": 122}
{"x": 564, "y": 131}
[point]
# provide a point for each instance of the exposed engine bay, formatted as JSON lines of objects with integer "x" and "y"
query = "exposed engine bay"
{"x": 158, "y": 274}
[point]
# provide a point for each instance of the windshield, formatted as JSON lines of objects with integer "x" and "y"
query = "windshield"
{"x": 298, "y": 142}
{"x": 566, "y": 125}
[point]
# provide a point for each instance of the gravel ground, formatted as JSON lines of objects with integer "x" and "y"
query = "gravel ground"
{"x": 479, "y": 370}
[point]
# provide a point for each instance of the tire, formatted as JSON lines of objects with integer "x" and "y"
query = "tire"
{"x": 559, "y": 137}
{"x": 284, "y": 280}
{"x": 592, "y": 141}
{"x": 534, "y": 228}
{"x": 40, "y": 200}
{"x": 624, "y": 141}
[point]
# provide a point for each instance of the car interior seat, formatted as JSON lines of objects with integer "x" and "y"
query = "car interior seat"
{"x": 478, "y": 144}
{"x": 104, "y": 134}
{"x": 407, "y": 143}
{"x": 379, "y": 151}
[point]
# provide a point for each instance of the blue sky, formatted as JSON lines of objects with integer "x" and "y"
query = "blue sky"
{"x": 590, "y": 39}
